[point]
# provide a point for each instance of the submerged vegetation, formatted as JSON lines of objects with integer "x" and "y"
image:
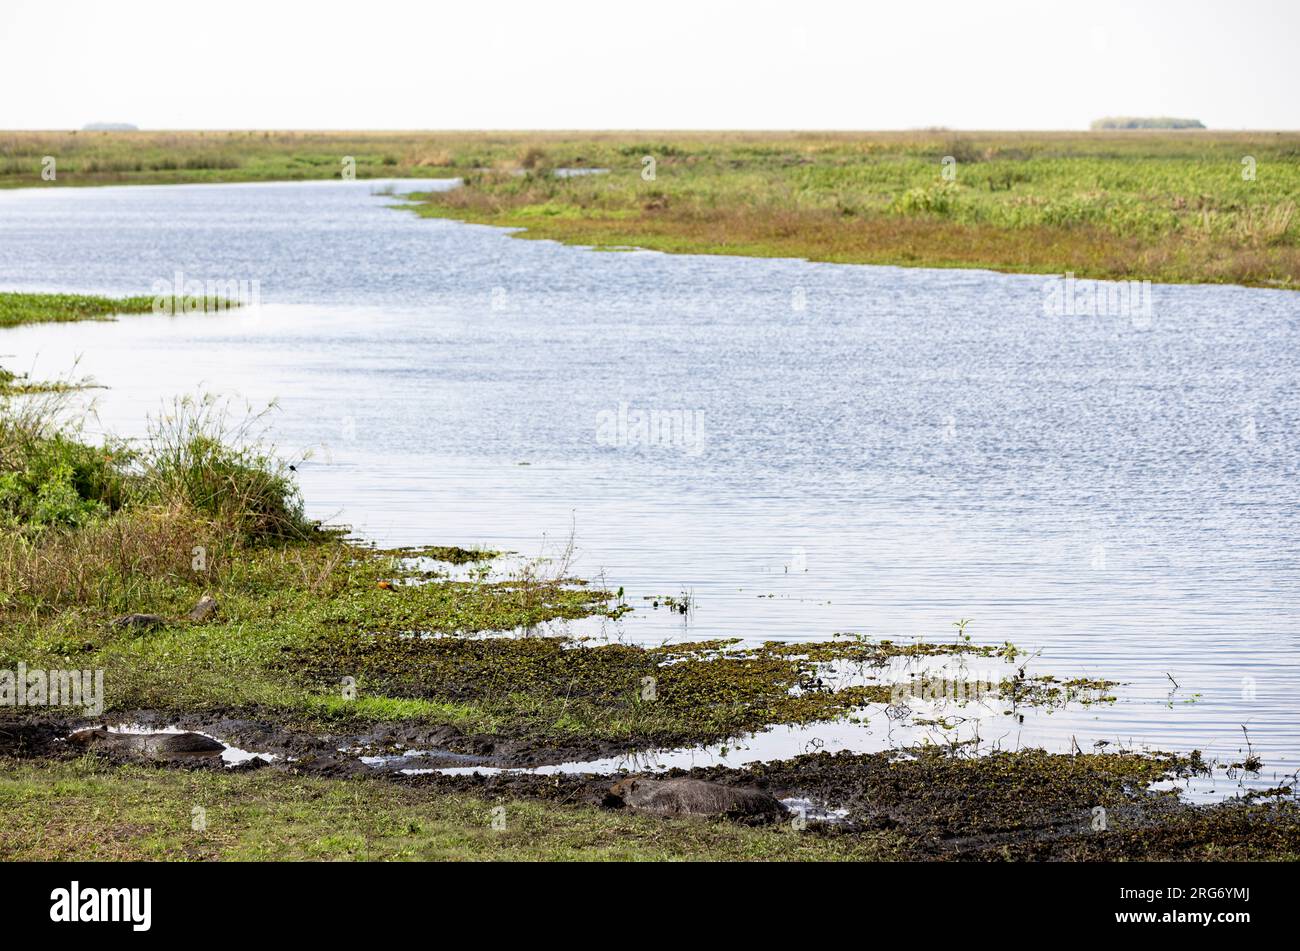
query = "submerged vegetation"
{"x": 451, "y": 554}
{"x": 18, "y": 383}
{"x": 1177, "y": 206}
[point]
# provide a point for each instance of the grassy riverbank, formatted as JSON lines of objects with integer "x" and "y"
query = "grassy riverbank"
{"x": 1171, "y": 207}
{"x": 319, "y": 650}
{"x": 1176, "y": 206}
{"x": 91, "y": 534}
{"x": 143, "y": 814}
{"x": 95, "y": 533}
{"x": 98, "y": 533}
{"x": 17, "y": 309}
{"x": 1022, "y": 806}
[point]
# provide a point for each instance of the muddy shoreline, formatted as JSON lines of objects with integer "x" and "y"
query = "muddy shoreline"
{"x": 924, "y": 804}
{"x": 316, "y": 747}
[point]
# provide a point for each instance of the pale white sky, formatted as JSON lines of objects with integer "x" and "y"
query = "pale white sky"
{"x": 650, "y": 64}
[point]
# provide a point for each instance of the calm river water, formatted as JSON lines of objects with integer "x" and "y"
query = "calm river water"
{"x": 845, "y": 449}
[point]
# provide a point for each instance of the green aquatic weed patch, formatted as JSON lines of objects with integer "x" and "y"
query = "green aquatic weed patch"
{"x": 19, "y": 308}
{"x": 451, "y": 554}
{"x": 565, "y": 689}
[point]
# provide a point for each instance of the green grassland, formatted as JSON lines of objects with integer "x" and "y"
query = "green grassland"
{"x": 1005, "y": 806}
{"x": 1161, "y": 205}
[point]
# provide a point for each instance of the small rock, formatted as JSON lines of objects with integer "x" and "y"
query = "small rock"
{"x": 205, "y": 609}
{"x": 144, "y": 621}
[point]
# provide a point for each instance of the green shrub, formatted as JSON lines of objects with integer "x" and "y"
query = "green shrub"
{"x": 55, "y": 480}
{"x": 935, "y": 200}
{"x": 195, "y": 460}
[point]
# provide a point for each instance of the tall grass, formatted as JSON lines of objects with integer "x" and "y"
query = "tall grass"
{"x": 111, "y": 562}
{"x": 201, "y": 457}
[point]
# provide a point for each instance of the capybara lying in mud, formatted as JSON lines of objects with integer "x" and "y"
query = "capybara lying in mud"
{"x": 162, "y": 745}
{"x": 694, "y": 797}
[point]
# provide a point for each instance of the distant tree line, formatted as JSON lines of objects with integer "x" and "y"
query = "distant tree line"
{"x": 1128, "y": 122}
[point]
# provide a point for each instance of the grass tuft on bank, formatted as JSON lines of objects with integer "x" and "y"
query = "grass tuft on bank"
{"x": 199, "y": 461}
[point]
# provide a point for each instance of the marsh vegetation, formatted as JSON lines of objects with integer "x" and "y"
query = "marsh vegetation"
{"x": 1166, "y": 205}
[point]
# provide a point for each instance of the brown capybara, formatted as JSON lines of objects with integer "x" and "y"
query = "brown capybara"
{"x": 162, "y": 745}
{"x": 694, "y": 797}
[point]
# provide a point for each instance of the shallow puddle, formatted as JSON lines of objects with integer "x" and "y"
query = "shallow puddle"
{"x": 810, "y": 811}
{"x": 407, "y": 760}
